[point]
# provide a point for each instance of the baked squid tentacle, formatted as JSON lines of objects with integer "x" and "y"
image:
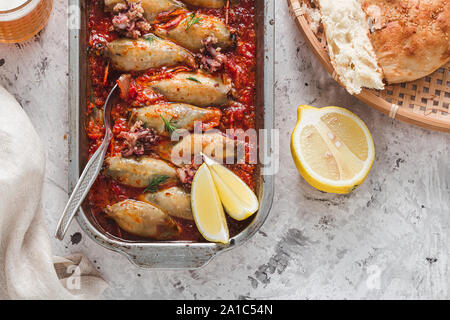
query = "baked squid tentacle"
{"x": 215, "y": 4}
{"x": 196, "y": 27}
{"x": 138, "y": 173}
{"x": 174, "y": 201}
{"x": 178, "y": 115}
{"x": 151, "y": 7}
{"x": 195, "y": 88}
{"x": 151, "y": 52}
{"x": 144, "y": 220}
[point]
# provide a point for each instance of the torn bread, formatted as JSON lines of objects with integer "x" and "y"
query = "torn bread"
{"x": 349, "y": 45}
{"x": 410, "y": 37}
{"x": 312, "y": 14}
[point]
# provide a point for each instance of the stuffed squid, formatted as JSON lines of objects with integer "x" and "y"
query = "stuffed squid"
{"x": 144, "y": 220}
{"x": 151, "y": 7}
{"x": 138, "y": 173}
{"x": 145, "y": 53}
{"x": 214, "y": 145}
{"x": 174, "y": 201}
{"x": 194, "y": 28}
{"x": 195, "y": 88}
{"x": 176, "y": 115}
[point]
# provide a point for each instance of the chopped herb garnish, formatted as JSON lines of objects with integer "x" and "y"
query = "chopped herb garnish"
{"x": 169, "y": 125}
{"x": 193, "y": 79}
{"x": 150, "y": 38}
{"x": 191, "y": 20}
{"x": 154, "y": 184}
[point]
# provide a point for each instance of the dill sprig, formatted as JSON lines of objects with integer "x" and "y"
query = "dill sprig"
{"x": 193, "y": 79}
{"x": 192, "y": 19}
{"x": 154, "y": 184}
{"x": 150, "y": 38}
{"x": 169, "y": 125}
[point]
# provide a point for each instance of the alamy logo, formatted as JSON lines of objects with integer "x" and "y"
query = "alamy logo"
{"x": 74, "y": 281}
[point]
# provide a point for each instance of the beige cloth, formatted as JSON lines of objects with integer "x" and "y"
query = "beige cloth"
{"x": 27, "y": 268}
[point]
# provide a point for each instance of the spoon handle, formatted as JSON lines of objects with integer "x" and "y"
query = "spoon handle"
{"x": 82, "y": 188}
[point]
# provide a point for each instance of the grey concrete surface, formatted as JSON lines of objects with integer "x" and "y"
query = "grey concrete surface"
{"x": 388, "y": 239}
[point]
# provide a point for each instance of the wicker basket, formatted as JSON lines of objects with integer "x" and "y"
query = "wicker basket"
{"x": 424, "y": 102}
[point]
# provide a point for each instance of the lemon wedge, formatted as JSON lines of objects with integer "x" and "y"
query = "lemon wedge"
{"x": 332, "y": 148}
{"x": 207, "y": 207}
{"x": 239, "y": 201}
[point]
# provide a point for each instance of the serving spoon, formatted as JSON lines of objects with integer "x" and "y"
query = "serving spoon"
{"x": 90, "y": 172}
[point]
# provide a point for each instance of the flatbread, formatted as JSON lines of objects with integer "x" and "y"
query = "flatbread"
{"x": 410, "y": 37}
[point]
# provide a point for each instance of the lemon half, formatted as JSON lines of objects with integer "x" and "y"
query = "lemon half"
{"x": 332, "y": 148}
{"x": 207, "y": 207}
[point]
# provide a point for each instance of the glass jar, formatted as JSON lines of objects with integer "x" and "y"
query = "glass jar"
{"x": 22, "y": 19}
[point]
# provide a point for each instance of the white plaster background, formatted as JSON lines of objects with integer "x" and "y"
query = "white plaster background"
{"x": 313, "y": 245}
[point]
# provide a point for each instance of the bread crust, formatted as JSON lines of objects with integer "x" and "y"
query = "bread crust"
{"x": 410, "y": 37}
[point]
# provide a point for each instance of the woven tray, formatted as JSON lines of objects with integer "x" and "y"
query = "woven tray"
{"x": 424, "y": 102}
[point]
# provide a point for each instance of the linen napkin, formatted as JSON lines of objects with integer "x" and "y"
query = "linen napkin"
{"x": 27, "y": 268}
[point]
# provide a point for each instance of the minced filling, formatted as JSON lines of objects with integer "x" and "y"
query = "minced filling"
{"x": 129, "y": 20}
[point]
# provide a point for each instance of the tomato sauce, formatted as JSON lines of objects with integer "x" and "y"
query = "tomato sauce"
{"x": 240, "y": 68}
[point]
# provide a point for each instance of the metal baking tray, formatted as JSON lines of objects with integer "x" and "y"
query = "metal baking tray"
{"x": 178, "y": 254}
